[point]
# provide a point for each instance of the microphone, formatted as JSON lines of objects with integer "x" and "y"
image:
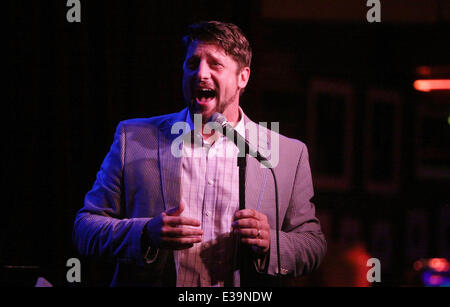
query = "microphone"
{"x": 238, "y": 139}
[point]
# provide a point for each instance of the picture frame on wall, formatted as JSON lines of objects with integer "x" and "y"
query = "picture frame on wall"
{"x": 432, "y": 145}
{"x": 331, "y": 133}
{"x": 382, "y": 141}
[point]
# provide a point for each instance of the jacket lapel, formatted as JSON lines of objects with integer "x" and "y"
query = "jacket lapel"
{"x": 255, "y": 176}
{"x": 170, "y": 165}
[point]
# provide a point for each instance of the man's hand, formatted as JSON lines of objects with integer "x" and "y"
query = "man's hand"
{"x": 253, "y": 228}
{"x": 169, "y": 230}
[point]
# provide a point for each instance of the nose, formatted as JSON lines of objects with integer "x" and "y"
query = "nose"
{"x": 203, "y": 71}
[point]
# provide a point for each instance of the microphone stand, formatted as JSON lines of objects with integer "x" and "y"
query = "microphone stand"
{"x": 243, "y": 250}
{"x": 242, "y": 253}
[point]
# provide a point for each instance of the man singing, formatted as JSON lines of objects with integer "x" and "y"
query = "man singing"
{"x": 174, "y": 219}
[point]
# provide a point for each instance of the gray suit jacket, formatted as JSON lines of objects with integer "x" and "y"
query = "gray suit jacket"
{"x": 140, "y": 178}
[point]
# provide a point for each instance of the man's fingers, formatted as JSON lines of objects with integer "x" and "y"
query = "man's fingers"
{"x": 263, "y": 245}
{"x": 253, "y": 228}
{"x": 253, "y": 233}
{"x": 183, "y": 240}
{"x": 180, "y": 243}
{"x": 250, "y": 213}
{"x": 180, "y": 231}
{"x": 246, "y": 223}
{"x": 180, "y": 221}
{"x": 257, "y": 242}
{"x": 177, "y": 210}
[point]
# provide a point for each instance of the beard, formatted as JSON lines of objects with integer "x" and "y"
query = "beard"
{"x": 220, "y": 107}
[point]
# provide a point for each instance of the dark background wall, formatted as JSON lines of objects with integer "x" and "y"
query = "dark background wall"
{"x": 68, "y": 85}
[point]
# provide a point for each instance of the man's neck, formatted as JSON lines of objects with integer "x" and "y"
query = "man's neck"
{"x": 232, "y": 114}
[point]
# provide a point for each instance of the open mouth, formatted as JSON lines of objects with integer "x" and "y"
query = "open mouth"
{"x": 205, "y": 95}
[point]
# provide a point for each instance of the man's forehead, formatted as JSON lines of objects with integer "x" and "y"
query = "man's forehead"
{"x": 210, "y": 48}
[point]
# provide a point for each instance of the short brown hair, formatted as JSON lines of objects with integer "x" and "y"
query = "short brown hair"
{"x": 227, "y": 35}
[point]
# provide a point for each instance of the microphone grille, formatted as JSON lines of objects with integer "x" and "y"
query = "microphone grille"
{"x": 218, "y": 118}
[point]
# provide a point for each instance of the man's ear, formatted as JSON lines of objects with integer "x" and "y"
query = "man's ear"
{"x": 243, "y": 77}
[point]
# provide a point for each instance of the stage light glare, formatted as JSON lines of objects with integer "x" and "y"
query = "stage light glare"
{"x": 432, "y": 85}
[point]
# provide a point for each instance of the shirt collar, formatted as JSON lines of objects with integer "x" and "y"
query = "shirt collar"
{"x": 240, "y": 127}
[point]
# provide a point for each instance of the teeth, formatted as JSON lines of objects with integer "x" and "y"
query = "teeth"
{"x": 206, "y": 93}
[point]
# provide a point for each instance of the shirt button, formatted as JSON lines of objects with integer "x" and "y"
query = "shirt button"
{"x": 210, "y": 182}
{"x": 207, "y": 213}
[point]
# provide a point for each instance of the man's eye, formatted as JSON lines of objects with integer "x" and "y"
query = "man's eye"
{"x": 191, "y": 64}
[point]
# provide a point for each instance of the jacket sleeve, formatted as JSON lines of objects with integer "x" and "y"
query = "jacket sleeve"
{"x": 302, "y": 243}
{"x": 100, "y": 229}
